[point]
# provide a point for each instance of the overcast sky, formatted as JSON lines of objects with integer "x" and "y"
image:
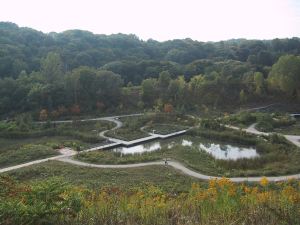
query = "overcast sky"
{"x": 204, "y": 20}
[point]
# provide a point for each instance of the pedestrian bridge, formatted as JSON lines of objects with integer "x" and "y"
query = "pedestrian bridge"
{"x": 295, "y": 115}
{"x": 118, "y": 143}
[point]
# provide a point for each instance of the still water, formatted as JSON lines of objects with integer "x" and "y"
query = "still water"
{"x": 217, "y": 150}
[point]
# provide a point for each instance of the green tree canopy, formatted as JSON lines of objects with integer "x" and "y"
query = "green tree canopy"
{"x": 285, "y": 74}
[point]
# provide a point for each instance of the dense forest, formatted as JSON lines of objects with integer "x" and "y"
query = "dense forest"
{"x": 76, "y": 71}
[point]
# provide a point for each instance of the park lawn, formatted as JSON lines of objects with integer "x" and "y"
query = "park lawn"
{"x": 164, "y": 177}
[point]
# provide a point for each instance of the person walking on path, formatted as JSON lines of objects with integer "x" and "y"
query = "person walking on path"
{"x": 166, "y": 162}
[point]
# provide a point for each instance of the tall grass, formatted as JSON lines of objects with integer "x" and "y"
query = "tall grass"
{"x": 218, "y": 202}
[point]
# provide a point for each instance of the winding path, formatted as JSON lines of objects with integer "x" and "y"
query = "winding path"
{"x": 67, "y": 154}
{"x": 107, "y": 118}
{"x": 177, "y": 166}
{"x": 251, "y": 129}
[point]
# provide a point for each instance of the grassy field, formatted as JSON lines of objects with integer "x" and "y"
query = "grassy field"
{"x": 87, "y": 131}
{"x": 26, "y": 153}
{"x": 164, "y": 128}
{"x": 127, "y": 133}
{"x": 131, "y": 128}
{"x": 114, "y": 158}
{"x": 17, "y": 151}
{"x": 77, "y": 135}
{"x": 164, "y": 177}
{"x": 88, "y": 127}
{"x": 54, "y": 141}
{"x": 291, "y": 130}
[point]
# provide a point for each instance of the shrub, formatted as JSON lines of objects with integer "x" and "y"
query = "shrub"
{"x": 211, "y": 124}
{"x": 43, "y": 203}
{"x": 239, "y": 137}
{"x": 217, "y": 202}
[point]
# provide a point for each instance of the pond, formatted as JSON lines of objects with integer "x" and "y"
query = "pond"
{"x": 224, "y": 151}
{"x": 217, "y": 150}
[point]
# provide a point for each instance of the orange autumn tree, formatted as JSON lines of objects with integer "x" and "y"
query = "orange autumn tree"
{"x": 100, "y": 105}
{"x": 168, "y": 108}
{"x": 62, "y": 110}
{"x": 55, "y": 114}
{"x": 75, "y": 109}
{"x": 43, "y": 114}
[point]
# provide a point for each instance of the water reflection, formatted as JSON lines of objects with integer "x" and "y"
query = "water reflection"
{"x": 228, "y": 151}
{"x": 186, "y": 143}
{"x": 148, "y": 147}
{"x": 219, "y": 151}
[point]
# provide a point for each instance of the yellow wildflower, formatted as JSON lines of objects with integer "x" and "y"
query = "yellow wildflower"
{"x": 264, "y": 181}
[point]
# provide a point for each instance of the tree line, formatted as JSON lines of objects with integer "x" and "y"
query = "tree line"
{"x": 21, "y": 49}
{"x": 38, "y": 72}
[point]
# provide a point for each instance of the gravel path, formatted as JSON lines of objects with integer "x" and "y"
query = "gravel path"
{"x": 251, "y": 129}
{"x": 177, "y": 166}
{"x": 65, "y": 152}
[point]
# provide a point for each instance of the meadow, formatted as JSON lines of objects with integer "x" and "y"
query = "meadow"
{"x": 218, "y": 202}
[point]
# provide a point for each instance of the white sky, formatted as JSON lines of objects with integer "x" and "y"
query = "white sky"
{"x": 204, "y": 20}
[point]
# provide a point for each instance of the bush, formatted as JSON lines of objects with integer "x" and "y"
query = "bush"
{"x": 211, "y": 124}
{"x": 43, "y": 203}
{"x": 89, "y": 138}
{"x": 217, "y": 202}
{"x": 239, "y": 137}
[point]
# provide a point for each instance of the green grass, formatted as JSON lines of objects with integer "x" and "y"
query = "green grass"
{"x": 242, "y": 119}
{"x": 164, "y": 128}
{"x": 131, "y": 128}
{"x": 115, "y": 158}
{"x": 54, "y": 142}
{"x": 132, "y": 125}
{"x": 38, "y": 145}
{"x": 26, "y": 153}
{"x": 17, "y": 151}
{"x": 88, "y": 127}
{"x": 87, "y": 131}
{"x": 126, "y": 134}
{"x": 164, "y": 177}
{"x": 291, "y": 130}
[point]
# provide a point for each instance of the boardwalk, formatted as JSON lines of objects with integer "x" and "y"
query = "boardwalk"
{"x": 145, "y": 139}
{"x": 296, "y": 115}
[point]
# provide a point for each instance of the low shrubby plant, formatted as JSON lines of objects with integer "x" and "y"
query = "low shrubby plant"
{"x": 216, "y": 202}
